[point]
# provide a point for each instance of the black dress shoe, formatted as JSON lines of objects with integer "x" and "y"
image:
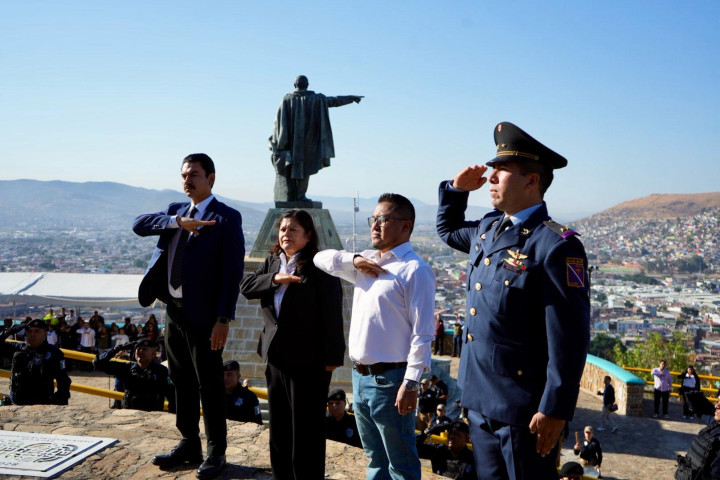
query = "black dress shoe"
{"x": 211, "y": 467}
{"x": 180, "y": 455}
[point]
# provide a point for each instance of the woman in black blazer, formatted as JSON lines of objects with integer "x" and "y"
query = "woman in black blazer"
{"x": 689, "y": 381}
{"x": 302, "y": 342}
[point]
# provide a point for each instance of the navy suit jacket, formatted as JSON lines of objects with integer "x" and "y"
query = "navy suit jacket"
{"x": 213, "y": 262}
{"x": 309, "y": 329}
{"x": 527, "y": 324}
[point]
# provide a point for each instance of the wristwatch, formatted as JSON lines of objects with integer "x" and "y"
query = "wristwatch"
{"x": 412, "y": 385}
{"x": 223, "y": 320}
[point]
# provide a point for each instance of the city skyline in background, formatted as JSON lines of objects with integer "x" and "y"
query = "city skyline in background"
{"x": 122, "y": 92}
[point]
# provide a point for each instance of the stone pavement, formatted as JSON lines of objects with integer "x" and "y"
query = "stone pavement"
{"x": 142, "y": 435}
{"x": 643, "y": 448}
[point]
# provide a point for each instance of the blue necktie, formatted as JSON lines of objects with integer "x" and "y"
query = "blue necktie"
{"x": 506, "y": 223}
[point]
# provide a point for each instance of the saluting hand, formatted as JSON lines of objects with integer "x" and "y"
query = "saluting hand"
{"x": 286, "y": 278}
{"x": 470, "y": 178}
{"x": 365, "y": 265}
{"x": 191, "y": 224}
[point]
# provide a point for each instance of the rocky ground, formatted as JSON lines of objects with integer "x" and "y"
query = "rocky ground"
{"x": 643, "y": 448}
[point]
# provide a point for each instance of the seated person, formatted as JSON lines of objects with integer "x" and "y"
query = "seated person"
{"x": 36, "y": 366}
{"x": 589, "y": 449}
{"x": 427, "y": 401}
{"x": 439, "y": 418}
{"x": 453, "y": 460}
{"x": 340, "y": 425}
{"x": 571, "y": 471}
{"x": 241, "y": 404}
{"x": 147, "y": 383}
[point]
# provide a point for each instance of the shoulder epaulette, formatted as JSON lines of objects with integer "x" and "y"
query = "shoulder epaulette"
{"x": 561, "y": 230}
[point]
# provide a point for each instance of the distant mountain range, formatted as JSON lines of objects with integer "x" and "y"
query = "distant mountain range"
{"x": 113, "y": 205}
{"x": 60, "y": 204}
{"x": 667, "y": 205}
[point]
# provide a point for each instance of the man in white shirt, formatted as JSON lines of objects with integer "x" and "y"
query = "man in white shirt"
{"x": 87, "y": 338}
{"x": 390, "y": 339}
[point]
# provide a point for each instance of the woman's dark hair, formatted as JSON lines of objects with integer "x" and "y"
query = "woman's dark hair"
{"x": 306, "y": 222}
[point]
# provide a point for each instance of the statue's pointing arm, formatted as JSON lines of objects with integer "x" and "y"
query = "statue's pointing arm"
{"x": 343, "y": 100}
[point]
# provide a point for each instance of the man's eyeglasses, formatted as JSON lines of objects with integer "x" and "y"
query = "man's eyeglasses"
{"x": 382, "y": 220}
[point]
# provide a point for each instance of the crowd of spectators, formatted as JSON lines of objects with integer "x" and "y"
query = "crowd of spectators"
{"x": 72, "y": 332}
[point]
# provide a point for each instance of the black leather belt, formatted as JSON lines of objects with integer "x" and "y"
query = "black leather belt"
{"x": 378, "y": 368}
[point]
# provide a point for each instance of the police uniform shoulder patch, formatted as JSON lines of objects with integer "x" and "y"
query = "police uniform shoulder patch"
{"x": 575, "y": 272}
{"x": 561, "y": 230}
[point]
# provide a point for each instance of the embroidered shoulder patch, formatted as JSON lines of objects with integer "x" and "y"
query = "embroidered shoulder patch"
{"x": 575, "y": 272}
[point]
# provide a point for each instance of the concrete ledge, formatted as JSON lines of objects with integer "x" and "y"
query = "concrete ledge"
{"x": 628, "y": 387}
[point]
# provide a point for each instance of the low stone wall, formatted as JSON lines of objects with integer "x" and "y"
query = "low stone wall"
{"x": 628, "y": 387}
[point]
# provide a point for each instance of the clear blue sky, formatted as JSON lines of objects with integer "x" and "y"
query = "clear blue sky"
{"x": 628, "y": 91}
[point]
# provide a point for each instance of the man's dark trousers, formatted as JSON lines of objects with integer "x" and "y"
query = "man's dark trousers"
{"x": 657, "y": 396}
{"x": 504, "y": 451}
{"x": 197, "y": 373}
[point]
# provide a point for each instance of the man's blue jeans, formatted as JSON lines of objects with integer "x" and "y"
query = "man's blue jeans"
{"x": 388, "y": 437}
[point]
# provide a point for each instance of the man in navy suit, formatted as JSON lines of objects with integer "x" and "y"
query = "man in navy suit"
{"x": 196, "y": 270}
{"x": 527, "y": 323}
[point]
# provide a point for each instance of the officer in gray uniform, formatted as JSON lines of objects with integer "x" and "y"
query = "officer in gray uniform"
{"x": 527, "y": 323}
{"x": 35, "y": 366}
{"x": 146, "y": 381}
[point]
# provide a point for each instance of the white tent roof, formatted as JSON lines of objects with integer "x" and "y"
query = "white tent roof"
{"x": 13, "y": 282}
{"x": 70, "y": 288}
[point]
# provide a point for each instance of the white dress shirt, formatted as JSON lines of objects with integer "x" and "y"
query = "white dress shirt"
{"x": 393, "y": 314}
{"x": 87, "y": 337}
{"x": 285, "y": 267}
{"x": 200, "y": 207}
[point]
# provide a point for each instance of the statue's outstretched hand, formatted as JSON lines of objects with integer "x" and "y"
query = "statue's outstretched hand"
{"x": 357, "y": 98}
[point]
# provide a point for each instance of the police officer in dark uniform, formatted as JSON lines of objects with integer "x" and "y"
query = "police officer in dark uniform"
{"x": 702, "y": 460}
{"x": 241, "y": 404}
{"x": 528, "y": 312}
{"x": 339, "y": 424}
{"x": 35, "y": 365}
{"x": 453, "y": 460}
{"x": 146, "y": 381}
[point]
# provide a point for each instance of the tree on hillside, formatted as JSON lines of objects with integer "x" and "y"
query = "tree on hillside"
{"x": 648, "y": 355}
{"x": 603, "y": 346}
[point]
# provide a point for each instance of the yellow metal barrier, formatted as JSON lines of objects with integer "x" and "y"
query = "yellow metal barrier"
{"x": 712, "y": 391}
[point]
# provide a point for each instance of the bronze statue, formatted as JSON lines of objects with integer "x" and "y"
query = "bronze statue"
{"x": 302, "y": 142}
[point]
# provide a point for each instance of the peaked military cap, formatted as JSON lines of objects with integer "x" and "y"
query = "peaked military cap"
{"x": 37, "y": 323}
{"x": 337, "y": 394}
{"x": 515, "y": 145}
{"x": 231, "y": 365}
{"x": 146, "y": 342}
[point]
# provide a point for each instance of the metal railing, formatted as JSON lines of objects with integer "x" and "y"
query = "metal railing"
{"x": 710, "y": 390}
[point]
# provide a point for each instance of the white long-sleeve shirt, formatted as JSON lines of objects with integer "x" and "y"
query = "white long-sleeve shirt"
{"x": 393, "y": 314}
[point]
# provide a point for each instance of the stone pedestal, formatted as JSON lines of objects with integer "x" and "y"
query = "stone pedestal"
{"x": 327, "y": 233}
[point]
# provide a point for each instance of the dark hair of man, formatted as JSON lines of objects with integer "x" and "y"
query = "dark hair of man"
{"x": 545, "y": 173}
{"x": 202, "y": 159}
{"x": 306, "y": 222}
{"x": 401, "y": 205}
{"x": 607, "y": 377}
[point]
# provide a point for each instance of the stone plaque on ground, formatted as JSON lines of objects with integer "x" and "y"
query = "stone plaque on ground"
{"x": 44, "y": 455}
